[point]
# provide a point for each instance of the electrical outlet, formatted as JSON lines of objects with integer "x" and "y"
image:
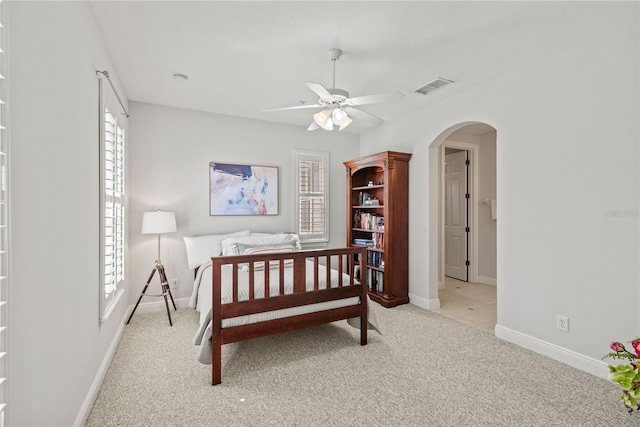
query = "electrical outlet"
{"x": 562, "y": 323}
{"x": 175, "y": 283}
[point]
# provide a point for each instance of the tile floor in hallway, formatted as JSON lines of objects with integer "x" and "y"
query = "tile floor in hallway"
{"x": 470, "y": 303}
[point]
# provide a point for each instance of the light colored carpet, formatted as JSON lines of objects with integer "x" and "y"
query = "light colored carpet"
{"x": 425, "y": 370}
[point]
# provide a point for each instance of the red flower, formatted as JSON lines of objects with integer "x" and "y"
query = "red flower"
{"x": 618, "y": 347}
{"x": 636, "y": 346}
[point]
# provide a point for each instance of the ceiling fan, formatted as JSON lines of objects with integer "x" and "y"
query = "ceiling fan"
{"x": 339, "y": 109}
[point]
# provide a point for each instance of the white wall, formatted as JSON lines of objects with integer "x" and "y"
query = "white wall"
{"x": 56, "y": 346}
{"x": 567, "y": 154}
{"x": 487, "y": 227}
{"x": 170, "y": 153}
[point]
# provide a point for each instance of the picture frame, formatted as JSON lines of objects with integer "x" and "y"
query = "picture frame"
{"x": 241, "y": 189}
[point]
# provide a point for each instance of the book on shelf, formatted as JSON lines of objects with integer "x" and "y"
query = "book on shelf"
{"x": 369, "y": 221}
{"x": 367, "y": 199}
{"x": 378, "y": 239}
{"x": 375, "y": 280}
{"x": 375, "y": 259}
{"x": 379, "y": 281}
{"x": 363, "y": 242}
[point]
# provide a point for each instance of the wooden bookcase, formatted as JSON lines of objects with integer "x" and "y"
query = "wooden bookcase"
{"x": 378, "y": 217}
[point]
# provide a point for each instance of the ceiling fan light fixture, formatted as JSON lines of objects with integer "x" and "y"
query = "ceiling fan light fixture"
{"x": 324, "y": 120}
{"x": 339, "y": 116}
{"x": 346, "y": 123}
{"x": 339, "y": 107}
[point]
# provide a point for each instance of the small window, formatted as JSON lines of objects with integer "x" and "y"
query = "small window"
{"x": 312, "y": 203}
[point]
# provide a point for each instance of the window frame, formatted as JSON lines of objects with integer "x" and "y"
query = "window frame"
{"x": 107, "y": 102}
{"x": 319, "y": 239}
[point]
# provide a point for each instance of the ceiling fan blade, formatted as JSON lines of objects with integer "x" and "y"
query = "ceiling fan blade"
{"x": 320, "y": 90}
{"x": 364, "y": 116}
{"x": 295, "y": 107}
{"x": 374, "y": 99}
{"x": 313, "y": 126}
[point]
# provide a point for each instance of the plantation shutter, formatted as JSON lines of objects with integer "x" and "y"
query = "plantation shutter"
{"x": 4, "y": 221}
{"x": 113, "y": 207}
{"x": 312, "y": 185}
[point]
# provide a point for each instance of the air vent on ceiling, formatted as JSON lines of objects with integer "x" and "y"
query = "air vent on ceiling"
{"x": 433, "y": 85}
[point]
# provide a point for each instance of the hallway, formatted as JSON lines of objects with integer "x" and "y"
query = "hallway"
{"x": 470, "y": 303}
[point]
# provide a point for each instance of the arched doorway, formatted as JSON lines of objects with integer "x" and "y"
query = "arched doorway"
{"x": 463, "y": 209}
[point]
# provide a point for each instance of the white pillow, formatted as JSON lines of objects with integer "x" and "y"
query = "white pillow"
{"x": 200, "y": 249}
{"x": 286, "y": 246}
{"x": 260, "y": 249}
{"x": 268, "y": 249}
{"x": 229, "y": 244}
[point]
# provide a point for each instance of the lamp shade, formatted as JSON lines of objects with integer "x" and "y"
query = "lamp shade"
{"x": 158, "y": 222}
{"x": 339, "y": 116}
{"x": 324, "y": 120}
{"x": 346, "y": 123}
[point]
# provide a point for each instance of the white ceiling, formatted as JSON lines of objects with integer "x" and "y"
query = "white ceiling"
{"x": 242, "y": 57}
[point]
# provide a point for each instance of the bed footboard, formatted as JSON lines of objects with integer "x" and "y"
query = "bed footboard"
{"x": 318, "y": 277}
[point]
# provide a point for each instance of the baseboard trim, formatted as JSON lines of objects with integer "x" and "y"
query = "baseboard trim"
{"x": 155, "y": 306}
{"x": 486, "y": 280}
{"x": 92, "y": 394}
{"x": 577, "y": 360}
{"x": 427, "y": 304}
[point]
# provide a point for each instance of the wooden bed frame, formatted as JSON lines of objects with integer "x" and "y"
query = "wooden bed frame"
{"x": 346, "y": 260}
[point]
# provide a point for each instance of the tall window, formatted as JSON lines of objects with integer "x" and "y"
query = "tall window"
{"x": 112, "y": 202}
{"x": 312, "y": 207}
{"x": 4, "y": 219}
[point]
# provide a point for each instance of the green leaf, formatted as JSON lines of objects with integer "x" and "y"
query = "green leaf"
{"x": 635, "y": 392}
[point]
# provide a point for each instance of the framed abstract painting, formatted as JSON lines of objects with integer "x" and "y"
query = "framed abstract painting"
{"x": 242, "y": 189}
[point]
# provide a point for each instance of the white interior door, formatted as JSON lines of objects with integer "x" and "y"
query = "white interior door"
{"x": 455, "y": 222}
